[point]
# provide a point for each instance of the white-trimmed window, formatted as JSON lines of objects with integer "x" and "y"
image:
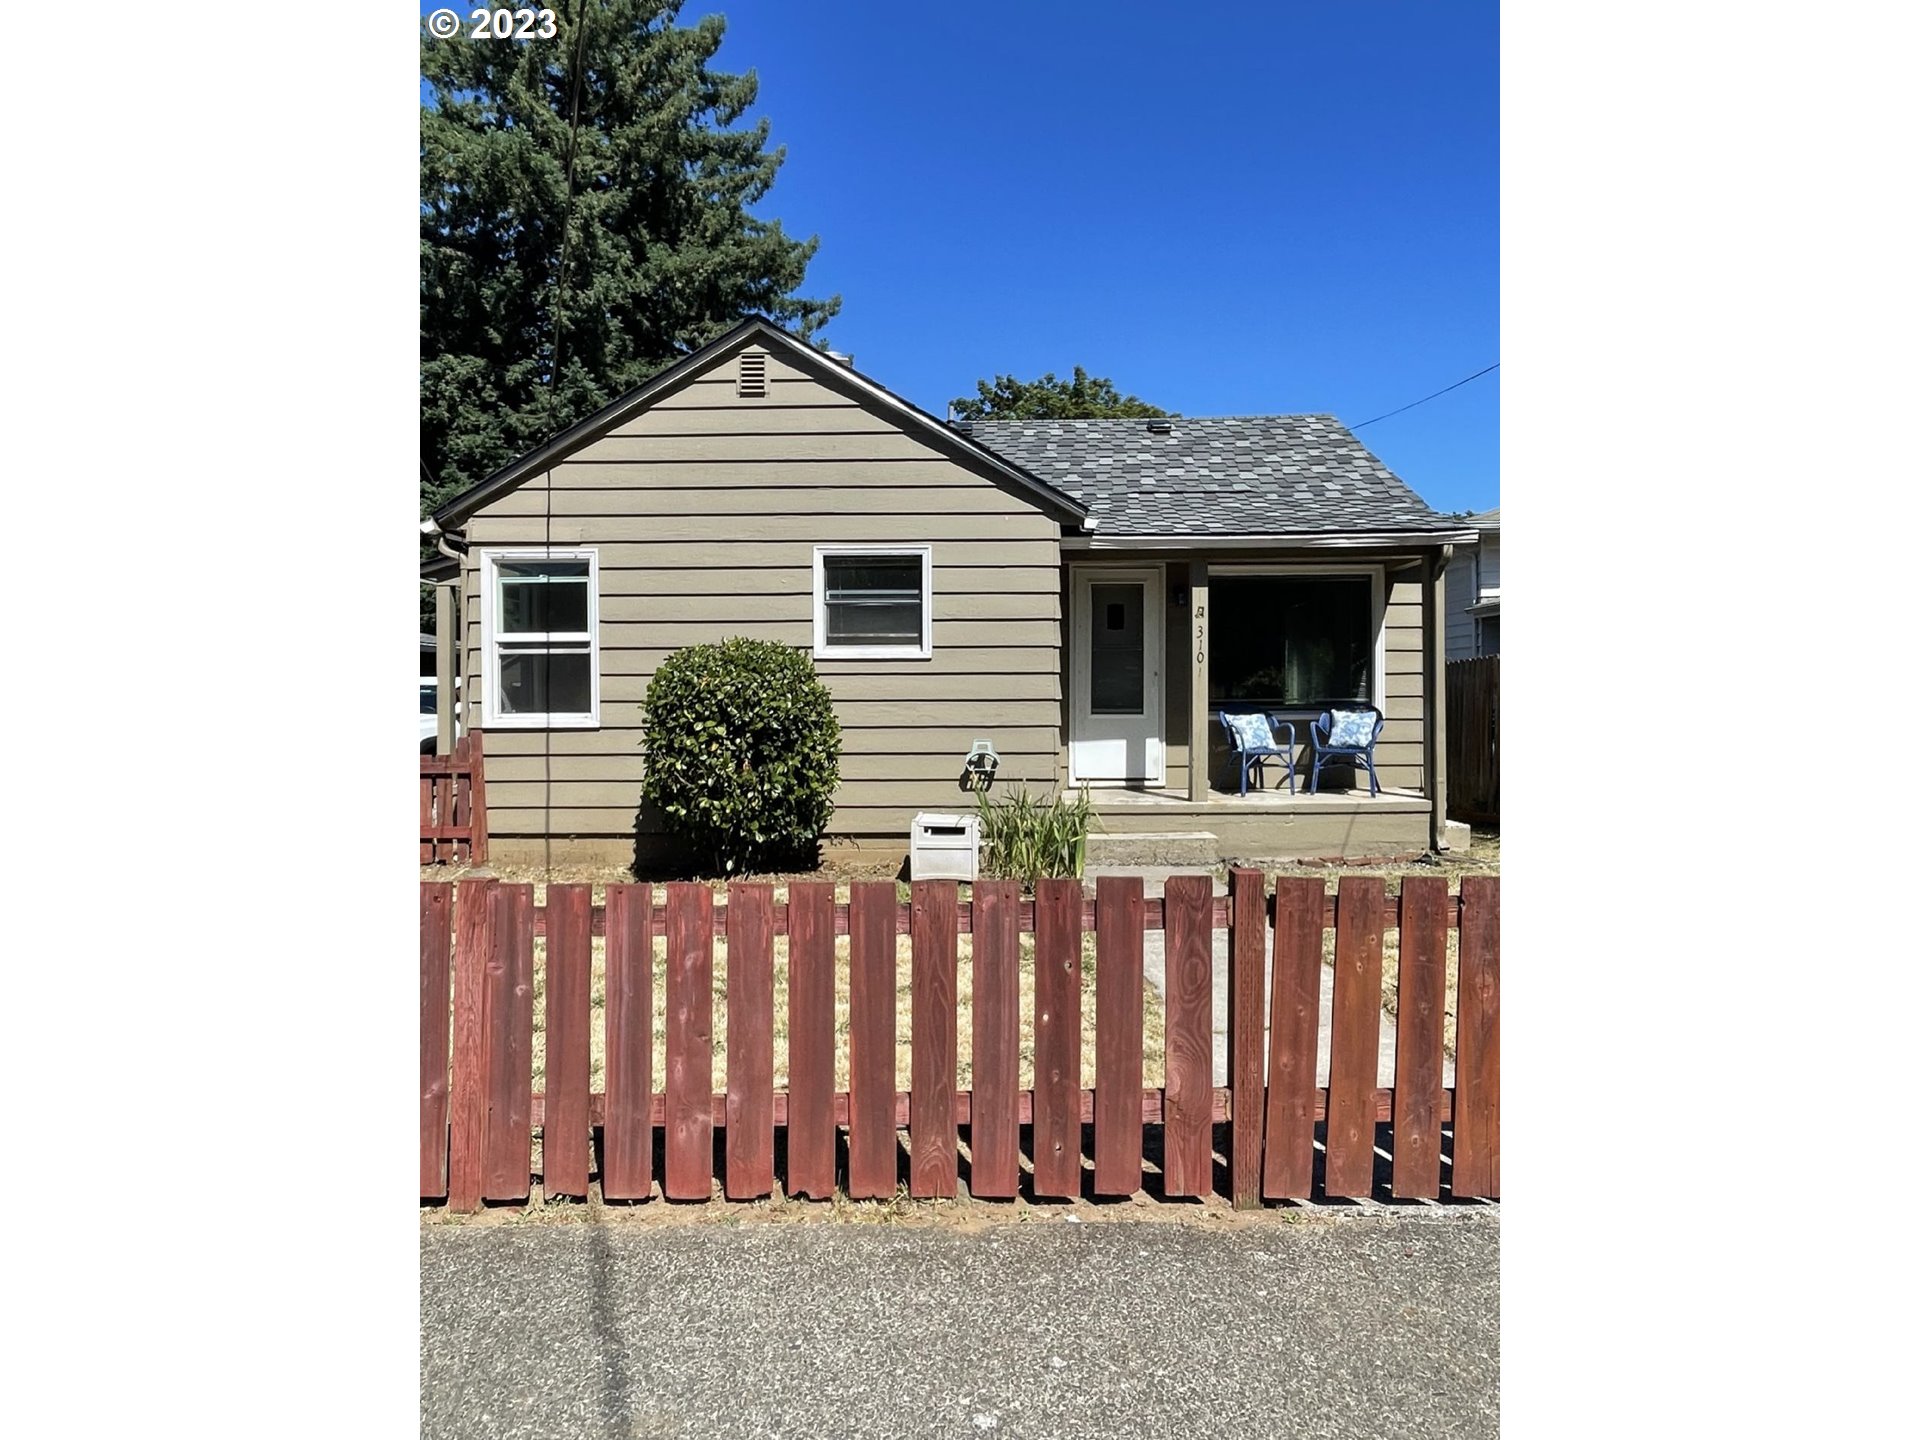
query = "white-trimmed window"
{"x": 540, "y": 629}
{"x": 873, "y": 601}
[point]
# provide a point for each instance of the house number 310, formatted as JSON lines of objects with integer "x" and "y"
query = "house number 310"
{"x": 1199, "y": 634}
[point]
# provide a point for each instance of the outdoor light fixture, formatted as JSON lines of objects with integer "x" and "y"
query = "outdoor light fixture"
{"x": 980, "y": 766}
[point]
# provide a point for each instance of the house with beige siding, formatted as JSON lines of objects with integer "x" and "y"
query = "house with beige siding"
{"x": 1086, "y": 595}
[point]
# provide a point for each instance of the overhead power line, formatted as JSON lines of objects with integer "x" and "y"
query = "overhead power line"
{"x": 1424, "y": 398}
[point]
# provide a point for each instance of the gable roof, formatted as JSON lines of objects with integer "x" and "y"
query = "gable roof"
{"x": 1229, "y": 475}
{"x": 816, "y": 363}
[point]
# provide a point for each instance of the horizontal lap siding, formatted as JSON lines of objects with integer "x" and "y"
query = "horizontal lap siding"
{"x": 705, "y": 510}
{"x": 970, "y": 544}
{"x": 652, "y": 502}
{"x": 1400, "y": 752}
{"x": 588, "y": 483}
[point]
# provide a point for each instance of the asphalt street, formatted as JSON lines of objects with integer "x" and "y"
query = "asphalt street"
{"x": 1367, "y": 1325}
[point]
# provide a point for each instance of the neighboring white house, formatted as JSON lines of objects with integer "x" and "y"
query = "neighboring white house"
{"x": 1473, "y": 592}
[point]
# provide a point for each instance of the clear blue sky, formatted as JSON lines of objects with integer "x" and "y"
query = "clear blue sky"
{"x": 1227, "y": 209}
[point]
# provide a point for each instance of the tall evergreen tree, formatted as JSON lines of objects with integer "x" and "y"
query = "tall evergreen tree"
{"x": 1084, "y": 397}
{"x": 614, "y": 150}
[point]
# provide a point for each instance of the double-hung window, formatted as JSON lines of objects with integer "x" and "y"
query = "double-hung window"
{"x": 873, "y": 601}
{"x": 539, "y": 623}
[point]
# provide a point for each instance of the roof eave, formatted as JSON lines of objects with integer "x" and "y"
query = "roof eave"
{"x": 1297, "y": 540}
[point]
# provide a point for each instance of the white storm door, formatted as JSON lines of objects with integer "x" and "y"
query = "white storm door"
{"x": 1119, "y": 643}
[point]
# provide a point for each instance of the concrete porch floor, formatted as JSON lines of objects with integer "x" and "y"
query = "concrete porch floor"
{"x": 1158, "y": 827}
{"x": 1274, "y": 800}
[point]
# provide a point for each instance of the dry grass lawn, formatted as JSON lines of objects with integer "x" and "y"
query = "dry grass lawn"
{"x": 1483, "y": 859}
{"x": 1153, "y": 1013}
{"x": 1152, "y": 1010}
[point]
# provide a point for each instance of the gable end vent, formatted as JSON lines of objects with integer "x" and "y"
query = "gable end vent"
{"x": 753, "y": 375}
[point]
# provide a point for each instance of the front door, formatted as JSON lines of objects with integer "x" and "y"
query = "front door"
{"x": 1118, "y": 644}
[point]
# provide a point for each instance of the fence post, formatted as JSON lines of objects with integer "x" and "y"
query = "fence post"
{"x": 1118, "y": 1040}
{"x": 1057, "y": 905}
{"x": 873, "y": 1147}
{"x": 506, "y": 1011}
{"x": 689, "y": 1127}
{"x": 994, "y": 1129}
{"x": 749, "y": 1041}
{"x": 566, "y": 1136}
{"x": 627, "y": 1147}
{"x": 1246, "y": 985}
{"x": 812, "y": 1137}
{"x": 1476, "y": 1096}
{"x": 1419, "y": 1055}
{"x": 436, "y": 940}
{"x": 1299, "y": 904}
{"x": 473, "y": 944}
{"x": 933, "y": 1163}
{"x": 1187, "y": 1128}
{"x": 1354, "y": 1070}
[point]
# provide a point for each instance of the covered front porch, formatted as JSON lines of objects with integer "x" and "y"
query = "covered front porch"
{"x": 1160, "y": 642}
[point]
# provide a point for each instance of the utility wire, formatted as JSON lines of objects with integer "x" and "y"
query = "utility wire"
{"x": 1423, "y": 399}
{"x": 553, "y": 382}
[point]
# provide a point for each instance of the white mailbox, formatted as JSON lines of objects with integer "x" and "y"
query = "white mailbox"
{"x": 945, "y": 847}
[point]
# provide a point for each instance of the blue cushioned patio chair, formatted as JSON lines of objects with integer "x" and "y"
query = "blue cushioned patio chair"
{"x": 1257, "y": 738}
{"x": 1346, "y": 734}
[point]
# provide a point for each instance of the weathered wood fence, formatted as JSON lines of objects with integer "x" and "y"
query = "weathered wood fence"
{"x": 1473, "y": 740}
{"x": 478, "y": 1115}
{"x": 453, "y": 805}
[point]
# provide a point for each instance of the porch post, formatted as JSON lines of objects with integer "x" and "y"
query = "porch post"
{"x": 1198, "y": 737}
{"x": 444, "y": 608}
{"x": 1433, "y": 639}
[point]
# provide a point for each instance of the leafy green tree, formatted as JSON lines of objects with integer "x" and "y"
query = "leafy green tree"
{"x": 1084, "y": 397}
{"x": 646, "y": 202}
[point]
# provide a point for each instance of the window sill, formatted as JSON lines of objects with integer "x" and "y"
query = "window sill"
{"x": 871, "y": 652}
{"x": 540, "y": 722}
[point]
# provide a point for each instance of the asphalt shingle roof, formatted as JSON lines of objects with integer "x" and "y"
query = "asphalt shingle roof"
{"x": 1216, "y": 475}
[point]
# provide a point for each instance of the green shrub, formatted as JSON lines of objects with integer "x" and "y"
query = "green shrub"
{"x": 743, "y": 753}
{"x": 1027, "y": 839}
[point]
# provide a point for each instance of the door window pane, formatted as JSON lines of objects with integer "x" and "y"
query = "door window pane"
{"x": 1117, "y": 649}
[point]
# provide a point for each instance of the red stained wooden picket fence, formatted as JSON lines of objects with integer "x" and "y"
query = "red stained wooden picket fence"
{"x": 478, "y": 1112}
{"x": 453, "y": 805}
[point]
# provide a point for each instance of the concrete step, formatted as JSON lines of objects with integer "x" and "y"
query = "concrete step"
{"x": 1199, "y": 848}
